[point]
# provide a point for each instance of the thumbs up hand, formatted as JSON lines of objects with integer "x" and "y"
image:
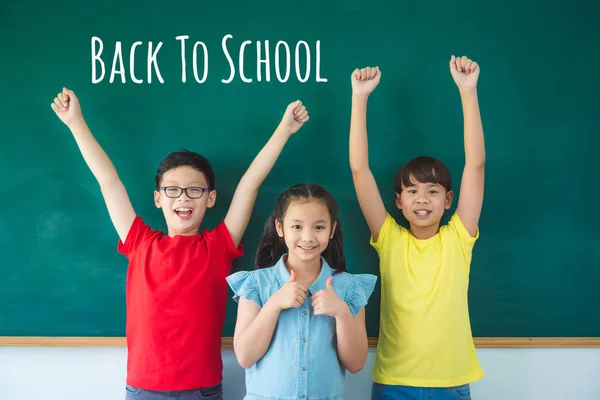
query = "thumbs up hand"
{"x": 327, "y": 302}
{"x": 292, "y": 294}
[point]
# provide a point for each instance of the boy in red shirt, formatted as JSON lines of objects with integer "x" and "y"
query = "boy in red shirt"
{"x": 176, "y": 289}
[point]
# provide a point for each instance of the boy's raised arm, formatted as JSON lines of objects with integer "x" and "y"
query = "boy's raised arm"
{"x": 364, "y": 81}
{"x": 67, "y": 108}
{"x": 466, "y": 73}
{"x": 245, "y": 194}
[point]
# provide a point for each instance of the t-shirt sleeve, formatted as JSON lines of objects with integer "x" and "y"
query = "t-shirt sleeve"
{"x": 391, "y": 241}
{"x": 462, "y": 234}
{"x": 232, "y": 252}
{"x": 136, "y": 235}
{"x": 389, "y": 233}
{"x": 361, "y": 289}
{"x": 243, "y": 284}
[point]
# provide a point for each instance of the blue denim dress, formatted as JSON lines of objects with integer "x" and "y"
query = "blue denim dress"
{"x": 302, "y": 361}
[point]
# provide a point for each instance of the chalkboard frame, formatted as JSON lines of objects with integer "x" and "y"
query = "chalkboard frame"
{"x": 227, "y": 342}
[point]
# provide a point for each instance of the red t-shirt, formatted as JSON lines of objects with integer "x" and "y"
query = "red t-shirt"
{"x": 176, "y": 303}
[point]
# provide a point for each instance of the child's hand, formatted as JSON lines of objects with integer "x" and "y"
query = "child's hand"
{"x": 66, "y": 106}
{"x": 465, "y": 72}
{"x": 365, "y": 80}
{"x": 327, "y": 302}
{"x": 294, "y": 117}
{"x": 292, "y": 294}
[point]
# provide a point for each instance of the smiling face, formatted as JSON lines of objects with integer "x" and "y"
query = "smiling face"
{"x": 306, "y": 229}
{"x": 423, "y": 205}
{"x": 184, "y": 214}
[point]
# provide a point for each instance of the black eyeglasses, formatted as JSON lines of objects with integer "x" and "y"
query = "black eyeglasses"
{"x": 191, "y": 192}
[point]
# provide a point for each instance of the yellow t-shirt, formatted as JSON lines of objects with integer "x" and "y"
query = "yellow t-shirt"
{"x": 425, "y": 335}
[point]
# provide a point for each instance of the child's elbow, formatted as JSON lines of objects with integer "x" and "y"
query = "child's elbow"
{"x": 359, "y": 169}
{"x": 477, "y": 165}
{"x": 109, "y": 181}
{"x": 244, "y": 361}
{"x": 355, "y": 369}
{"x": 246, "y": 364}
{"x": 357, "y": 365}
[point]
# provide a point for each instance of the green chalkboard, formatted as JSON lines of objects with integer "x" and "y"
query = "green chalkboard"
{"x": 536, "y": 267}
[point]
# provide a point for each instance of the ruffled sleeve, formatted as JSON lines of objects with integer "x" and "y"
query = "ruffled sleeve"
{"x": 243, "y": 284}
{"x": 361, "y": 289}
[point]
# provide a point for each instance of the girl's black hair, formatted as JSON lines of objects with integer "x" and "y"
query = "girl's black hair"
{"x": 272, "y": 247}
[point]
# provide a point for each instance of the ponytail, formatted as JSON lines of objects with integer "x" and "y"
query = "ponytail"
{"x": 271, "y": 246}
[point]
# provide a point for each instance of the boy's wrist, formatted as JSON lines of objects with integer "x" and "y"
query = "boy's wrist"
{"x": 360, "y": 97}
{"x": 467, "y": 91}
{"x": 77, "y": 123}
{"x": 283, "y": 130}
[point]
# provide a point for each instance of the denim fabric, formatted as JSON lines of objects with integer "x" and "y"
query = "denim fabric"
{"x": 209, "y": 393}
{"x": 389, "y": 392}
{"x": 302, "y": 361}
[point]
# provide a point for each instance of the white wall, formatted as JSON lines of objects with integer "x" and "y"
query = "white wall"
{"x": 99, "y": 374}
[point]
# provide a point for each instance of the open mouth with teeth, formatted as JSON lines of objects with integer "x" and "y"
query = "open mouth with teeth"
{"x": 184, "y": 212}
{"x": 422, "y": 213}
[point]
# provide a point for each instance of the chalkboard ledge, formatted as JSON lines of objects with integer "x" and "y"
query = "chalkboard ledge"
{"x": 227, "y": 342}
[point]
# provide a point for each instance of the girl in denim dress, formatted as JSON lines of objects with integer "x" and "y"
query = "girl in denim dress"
{"x": 301, "y": 316}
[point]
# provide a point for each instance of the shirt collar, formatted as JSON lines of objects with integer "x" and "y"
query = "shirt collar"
{"x": 283, "y": 276}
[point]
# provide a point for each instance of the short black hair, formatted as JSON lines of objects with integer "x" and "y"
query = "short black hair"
{"x": 425, "y": 170}
{"x": 186, "y": 158}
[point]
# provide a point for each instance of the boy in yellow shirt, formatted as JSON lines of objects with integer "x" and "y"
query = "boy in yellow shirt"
{"x": 425, "y": 348}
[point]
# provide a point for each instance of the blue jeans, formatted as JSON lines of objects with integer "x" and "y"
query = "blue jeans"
{"x": 388, "y": 392}
{"x": 209, "y": 393}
